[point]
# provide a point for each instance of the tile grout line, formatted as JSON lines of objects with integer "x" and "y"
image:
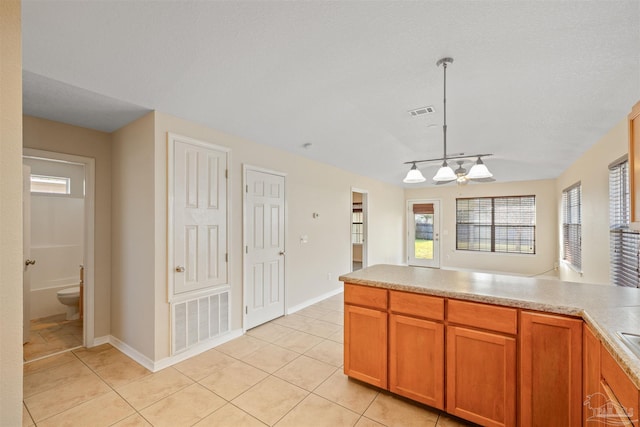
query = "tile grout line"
{"x": 266, "y": 342}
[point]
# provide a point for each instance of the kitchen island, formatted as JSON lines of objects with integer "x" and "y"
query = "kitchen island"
{"x": 494, "y": 349}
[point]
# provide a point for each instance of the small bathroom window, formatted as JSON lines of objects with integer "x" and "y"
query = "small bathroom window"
{"x": 50, "y": 184}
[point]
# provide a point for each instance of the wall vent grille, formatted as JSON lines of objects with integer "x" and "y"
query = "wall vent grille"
{"x": 199, "y": 319}
{"x": 422, "y": 111}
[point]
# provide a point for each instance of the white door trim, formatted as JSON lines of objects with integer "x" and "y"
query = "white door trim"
{"x": 26, "y": 252}
{"x": 365, "y": 225}
{"x": 171, "y": 139}
{"x": 436, "y": 230}
{"x": 245, "y": 289}
{"x": 89, "y": 232}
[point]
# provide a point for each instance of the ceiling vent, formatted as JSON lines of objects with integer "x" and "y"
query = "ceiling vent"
{"x": 422, "y": 111}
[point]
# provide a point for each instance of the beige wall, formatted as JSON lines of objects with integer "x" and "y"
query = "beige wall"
{"x": 546, "y": 226}
{"x": 10, "y": 214}
{"x": 592, "y": 170}
{"x": 133, "y": 236}
{"x": 311, "y": 187}
{"x": 62, "y": 138}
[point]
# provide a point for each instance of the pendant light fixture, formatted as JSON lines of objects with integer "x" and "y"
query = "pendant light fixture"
{"x": 414, "y": 175}
{"x": 446, "y": 174}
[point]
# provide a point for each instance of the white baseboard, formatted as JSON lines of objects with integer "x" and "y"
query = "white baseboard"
{"x": 315, "y": 300}
{"x": 200, "y": 348}
{"x": 197, "y": 349}
{"x": 100, "y": 340}
{"x": 171, "y": 360}
{"x": 132, "y": 353}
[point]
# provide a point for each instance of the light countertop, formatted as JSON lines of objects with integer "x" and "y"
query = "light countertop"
{"x": 606, "y": 309}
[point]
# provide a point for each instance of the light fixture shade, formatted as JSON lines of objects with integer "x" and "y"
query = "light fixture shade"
{"x": 414, "y": 176}
{"x": 479, "y": 171}
{"x": 445, "y": 173}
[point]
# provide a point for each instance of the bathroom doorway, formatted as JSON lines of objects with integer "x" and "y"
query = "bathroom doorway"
{"x": 60, "y": 189}
{"x": 359, "y": 214}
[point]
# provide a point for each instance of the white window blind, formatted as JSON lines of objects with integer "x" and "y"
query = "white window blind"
{"x": 496, "y": 224}
{"x": 572, "y": 225}
{"x": 623, "y": 242}
{"x": 357, "y": 221}
{"x": 50, "y": 184}
{"x": 357, "y": 229}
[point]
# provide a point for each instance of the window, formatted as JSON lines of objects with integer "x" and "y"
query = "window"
{"x": 357, "y": 228}
{"x": 50, "y": 184}
{"x": 623, "y": 242}
{"x": 572, "y": 225}
{"x": 496, "y": 224}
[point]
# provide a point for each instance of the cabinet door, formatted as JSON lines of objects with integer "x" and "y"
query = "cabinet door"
{"x": 365, "y": 345}
{"x": 550, "y": 370}
{"x": 590, "y": 374}
{"x": 416, "y": 359}
{"x": 616, "y": 382}
{"x": 481, "y": 376}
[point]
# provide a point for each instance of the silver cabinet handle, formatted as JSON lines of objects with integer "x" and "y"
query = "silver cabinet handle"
{"x": 282, "y": 252}
{"x": 179, "y": 269}
{"x": 29, "y": 262}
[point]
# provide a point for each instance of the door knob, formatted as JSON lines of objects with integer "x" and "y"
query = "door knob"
{"x": 179, "y": 269}
{"x": 29, "y": 262}
{"x": 282, "y": 252}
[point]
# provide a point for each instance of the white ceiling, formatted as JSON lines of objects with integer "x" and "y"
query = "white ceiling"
{"x": 536, "y": 83}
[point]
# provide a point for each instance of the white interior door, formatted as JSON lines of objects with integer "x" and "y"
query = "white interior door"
{"x": 26, "y": 252}
{"x": 199, "y": 210}
{"x": 423, "y": 225}
{"x": 264, "y": 225}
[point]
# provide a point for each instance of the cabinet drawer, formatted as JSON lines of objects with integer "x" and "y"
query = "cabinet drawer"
{"x": 416, "y": 305}
{"x": 365, "y": 296}
{"x": 620, "y": 384}
{"x": 485, "y": 316}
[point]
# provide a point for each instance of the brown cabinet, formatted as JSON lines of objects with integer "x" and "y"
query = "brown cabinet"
{"x": 365, "y": 334}
{"x": 621, "y": 394}
{"x": 416, "y": 347}
{"x": 481, "y": 364}
{"x": 609, "y": 395}
{"x": 550, "y": 370}
{"x": 590, "y": 374}
{"x": 634, "y": 161}
{"x": 493, "y": 365}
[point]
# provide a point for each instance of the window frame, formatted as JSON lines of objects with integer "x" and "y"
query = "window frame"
{"x": 494, "y": 224}
{"x": 624, "y": 243}
{"x": 569, "y": 229}
{"x": 357, "y": 226}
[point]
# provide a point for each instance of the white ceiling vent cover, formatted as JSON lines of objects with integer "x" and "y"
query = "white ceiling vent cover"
{"x": 422, "y": 111}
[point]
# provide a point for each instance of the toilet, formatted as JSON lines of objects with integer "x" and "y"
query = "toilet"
{"x": 71, "y": 298}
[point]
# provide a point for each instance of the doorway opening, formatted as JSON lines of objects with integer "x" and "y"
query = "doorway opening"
{"x": 359, "y": 214}
{"x": 58, "y": 250}
{"x": 423, "y": 225}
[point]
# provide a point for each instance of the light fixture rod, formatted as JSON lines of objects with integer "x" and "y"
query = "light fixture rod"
{"x": 444, "y": 103}
{"x": 472, "y": 156}
{"x": 444, "y": 62}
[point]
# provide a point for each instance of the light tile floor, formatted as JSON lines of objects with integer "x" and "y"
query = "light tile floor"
{"x": 287, "y": 372}
{"x": 52, "y": 334}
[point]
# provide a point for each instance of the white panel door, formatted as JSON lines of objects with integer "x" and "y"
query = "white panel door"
{"x": 264, "y": 247}
{"x": 199, "y": 216}
{"x": 423, "y": 225}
